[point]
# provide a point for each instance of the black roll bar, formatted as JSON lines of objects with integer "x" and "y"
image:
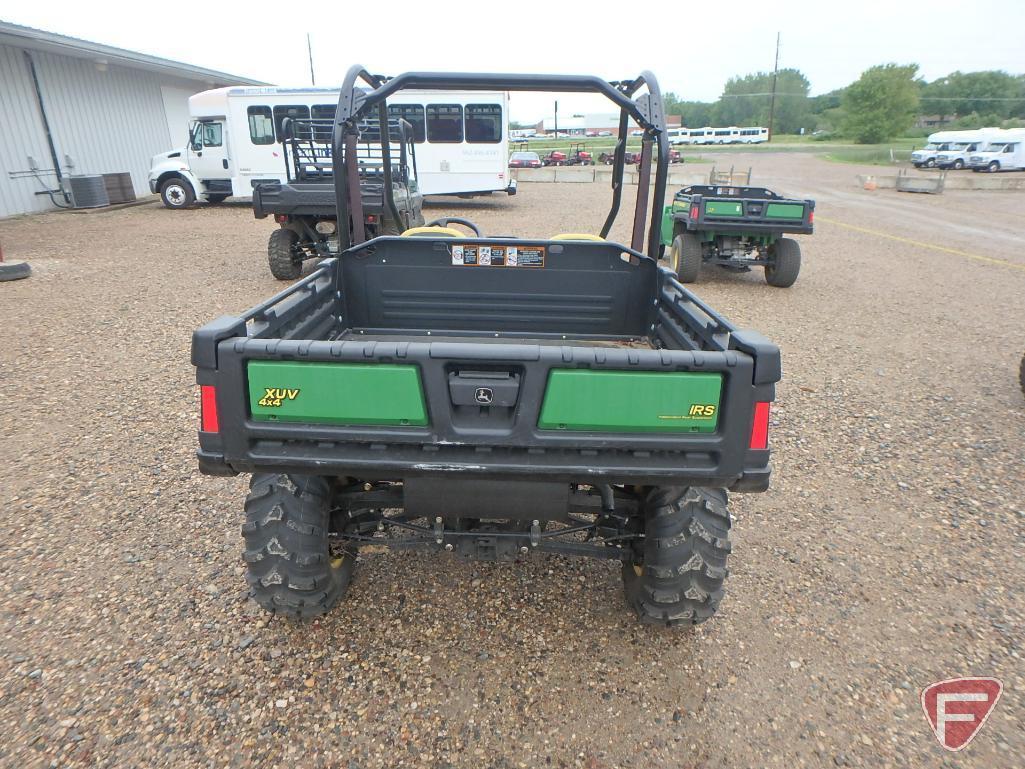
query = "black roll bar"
{"x": 647, "y": 111}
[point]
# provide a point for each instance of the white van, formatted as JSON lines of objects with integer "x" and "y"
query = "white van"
{"x": 1003, "y": 152}
{"x": 461, "y": 141}
{"x": 958, "y": 153}
{"x": 941, "y": 141}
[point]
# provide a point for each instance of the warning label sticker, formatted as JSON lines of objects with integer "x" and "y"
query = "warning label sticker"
{"x": 495, "y": 255}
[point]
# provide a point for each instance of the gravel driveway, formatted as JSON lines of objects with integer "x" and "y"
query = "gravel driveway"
{"x": 888, "y": 553}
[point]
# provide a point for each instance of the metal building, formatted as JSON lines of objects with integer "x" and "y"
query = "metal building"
{"x": 70, "y": 107}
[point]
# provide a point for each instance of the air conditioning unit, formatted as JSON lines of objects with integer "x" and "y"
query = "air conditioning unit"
{"x": 88, "y": 191}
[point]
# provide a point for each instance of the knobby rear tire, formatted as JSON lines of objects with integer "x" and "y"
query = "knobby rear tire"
{"x": 283, "y": 254}
{"x": 685, "y": 257}
{"x": 677, "y": 576}
{"x": 785, "y": 264}
{"x": 289, "y": 565}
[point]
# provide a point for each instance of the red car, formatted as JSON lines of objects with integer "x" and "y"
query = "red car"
{"x": 524, "y": 160}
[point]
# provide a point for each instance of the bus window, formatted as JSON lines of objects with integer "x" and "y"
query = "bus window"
{"x": 261, "y": 126}
{"x": 294, "y": 111}
{"x": 412, "y": 114}
{"x": 445, "y": 123}
{"x": 483, "y": 123}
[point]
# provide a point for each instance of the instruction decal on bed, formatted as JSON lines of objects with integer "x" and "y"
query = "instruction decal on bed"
{"x": 495, "y": 255}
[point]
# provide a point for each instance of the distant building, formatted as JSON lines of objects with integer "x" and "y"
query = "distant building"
{"x": 934, "y": 121}
{"x": 73, "y": 107}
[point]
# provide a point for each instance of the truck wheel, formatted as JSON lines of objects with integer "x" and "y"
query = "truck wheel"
{"x": 685, "y": 257}
{"x": 289, "y": 564}
{"x": 284, "y": 255}
{"x": 177, "y": 193}
{"x": 785, "y": 263}
{"x": 930, "y": 163}
{"x": 958, "y": 164}
{"x": 676, "y": 577}
{"x": 993, "y": 167}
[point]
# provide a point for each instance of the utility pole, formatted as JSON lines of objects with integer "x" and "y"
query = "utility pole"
{"x": 556, "y": 118}
{"x": 772, "y": 100}
{"x": 309, "y": 50}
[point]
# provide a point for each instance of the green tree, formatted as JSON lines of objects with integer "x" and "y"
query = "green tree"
{"x": 961, "y": 93}
{"x": 881, "y": 104}
{"x": 746, "y": 101}
{"x": 694, "y": 114}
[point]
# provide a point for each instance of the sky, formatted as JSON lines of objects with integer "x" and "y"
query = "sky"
{"x": 693, "y": 50}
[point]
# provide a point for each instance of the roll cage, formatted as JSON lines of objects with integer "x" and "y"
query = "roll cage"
{"x": 355, "y": 103}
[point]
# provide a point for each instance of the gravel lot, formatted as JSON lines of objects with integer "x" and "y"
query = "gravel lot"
{"x": 888, "y": 553}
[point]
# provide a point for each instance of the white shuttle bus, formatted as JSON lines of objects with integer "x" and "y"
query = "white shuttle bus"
{"x": 753, "y": 135}
{"x": 461, "y": 141}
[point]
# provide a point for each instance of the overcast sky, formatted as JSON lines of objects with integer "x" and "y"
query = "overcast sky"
{"x": 693, "y": 49}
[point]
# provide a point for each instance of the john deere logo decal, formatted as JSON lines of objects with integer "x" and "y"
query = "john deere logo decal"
{"x": 484, "y": 395}
{"x": 275, "y": 396}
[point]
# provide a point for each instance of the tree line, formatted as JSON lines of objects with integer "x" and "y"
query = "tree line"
{"x": 886, "y": 101}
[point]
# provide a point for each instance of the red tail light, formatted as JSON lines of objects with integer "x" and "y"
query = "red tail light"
{"x": 281, "y": 218}
{"x": 811, "y": 217}
{"x": 208, "y": 409}
{"x": 760, "y": 427}
{"x": 371, "y": 219}
{"x": 693, "y": 212}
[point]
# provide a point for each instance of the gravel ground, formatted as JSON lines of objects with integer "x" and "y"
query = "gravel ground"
{"x": 888, "y": 553}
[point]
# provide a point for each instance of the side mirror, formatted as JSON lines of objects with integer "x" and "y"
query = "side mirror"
{"x": 197, "y": 147}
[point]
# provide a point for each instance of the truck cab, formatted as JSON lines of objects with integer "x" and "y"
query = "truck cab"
{"x": 201, "y": 170}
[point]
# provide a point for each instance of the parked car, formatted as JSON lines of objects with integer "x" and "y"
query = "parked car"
{"x": 524, "y": 160}
{"x": 605, "y": 133}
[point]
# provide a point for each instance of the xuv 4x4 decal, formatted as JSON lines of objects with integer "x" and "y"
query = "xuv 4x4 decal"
{"x": 273, "y": 397}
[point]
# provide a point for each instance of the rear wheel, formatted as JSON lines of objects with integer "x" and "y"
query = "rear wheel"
{"x": 177, "y": 193}
{"x": 290, "y": 566}
{"x": 676, "y": 576}
{"x": 685, "y": 257}
{"x": 784, "y": 263}
{"x": 284, "y": 255}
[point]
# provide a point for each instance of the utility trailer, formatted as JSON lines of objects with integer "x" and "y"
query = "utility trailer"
{"x": 490, "y": 396}
{"x": 304, "y": 206}
{"x": 736, "y": 228}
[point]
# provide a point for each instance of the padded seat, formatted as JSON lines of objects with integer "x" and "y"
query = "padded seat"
{"x": 577, "y": 236}
{"x": 432, "y": 232}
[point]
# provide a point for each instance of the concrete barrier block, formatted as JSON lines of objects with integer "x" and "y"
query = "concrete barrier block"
{"x": 585, "y": 174}
{"x": 536, "y": 175}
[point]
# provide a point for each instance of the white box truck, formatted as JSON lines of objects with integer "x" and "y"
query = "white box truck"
{"x": 959, "y": 152}
{"x": 461, "y": 141}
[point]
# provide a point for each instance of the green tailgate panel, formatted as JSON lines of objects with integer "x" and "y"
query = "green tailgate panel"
{"x": 784, "y": 211}
{"x": 336, "y": 393}
{"x": 723, "y": 208}
{"x": 631, "y": 401}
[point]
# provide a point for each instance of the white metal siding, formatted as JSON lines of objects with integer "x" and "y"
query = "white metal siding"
{"x": 21, "y": 136}
{"x": 102, "y": 121}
